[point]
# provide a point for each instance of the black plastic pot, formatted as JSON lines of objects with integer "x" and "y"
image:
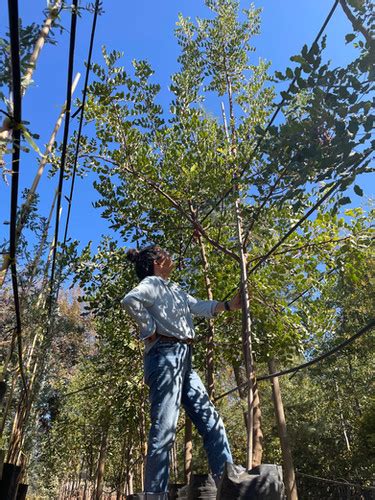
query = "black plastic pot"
{"x": 261, "y": 483}
{"x": 183, "y": 493}
{"x": 21, "y": 492}
{"x": 173, "y": 490}
{"x": 9, "y": 481}
{"x": 3, "y": 388}
{"x": 201, "y": 487}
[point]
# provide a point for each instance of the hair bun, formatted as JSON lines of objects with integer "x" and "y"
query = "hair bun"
{"x": 132, "y": 255}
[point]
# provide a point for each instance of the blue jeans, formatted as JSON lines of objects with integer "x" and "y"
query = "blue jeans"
{"x": 172, "y": 382}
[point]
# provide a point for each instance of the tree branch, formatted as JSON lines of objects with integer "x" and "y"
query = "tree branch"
{"x": 156, "y": 186}
{"x": 356, "y": 23}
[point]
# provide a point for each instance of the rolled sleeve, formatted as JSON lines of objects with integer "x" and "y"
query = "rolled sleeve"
{"x": 205, "y": 308}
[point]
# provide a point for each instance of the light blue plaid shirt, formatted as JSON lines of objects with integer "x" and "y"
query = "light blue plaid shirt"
{"x": 161, "y": 306}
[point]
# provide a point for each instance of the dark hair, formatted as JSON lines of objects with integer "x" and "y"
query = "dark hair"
{"x": 144, "y": 260}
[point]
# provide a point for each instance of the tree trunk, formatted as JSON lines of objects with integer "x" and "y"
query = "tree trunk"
{"x": 288, "y": 467}
{"x": 41, "y": 247}
{"x": 210, "y": 324}
{"x": 129, "y": 473}
{"x": 8, "y": 356}
{"x": 257, "y": 431}
{"x": 142, "y": 436}
{"x": 257, "y": 421}
{"x": 240, "y": 380}
{"x": 24, "y": 210}
{"x": 174, "y": 463}
{"x": 342, "y": 419}
{"x": 101, "y": 465}
{"x": 130, "y": 483}
{"x": 53, "y": 12}
{"x": 254, "y": 447}
{"x": 124, "y": 467}
{"x": 188, "y": 449}
{"x": 7, "y": 398}
{"x": 353, "y": 387}
{"x": 6, "y": 130}
{"x": 23, "y": 412}
{"x": 246, "y": 340}
{"x": 18, "y": 429}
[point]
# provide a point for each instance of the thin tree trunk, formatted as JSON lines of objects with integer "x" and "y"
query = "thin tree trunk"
{"x": 124, "y": 468}
{"x": 8, "y": 356}
{"x": 246, "y": 339}
{"x": 130, "y": 483}
{"x": 240, "y": 380}
{"x": 41, "y": 355}
{"x": 188, "y": 449}
{"x": 40, "y": 250}
{"x": 288, "y": 466}
{"x": 143, "y": 442}
{"x": 24, "y": 409}
{"x": 84, "y": 490}
{"x": 79, "y": 481}
{"x": 174, "y": 466}
{"x": 257, "y": 431}
{"x": 43, "y": 162}
{"x": 31, "y": 348}
{"x": 20, "y": 420}
{"x": 6, "y": 130}
{"x": 254, "y": 447}
{"x": 353, "y": 387}
{"x": 257, "y": 421}
{"x": 342, "y": 419}
{"x": 129, "y": 473}
{"x": 210, "y": 367}
{"x": 101, "y": 465}
{"x": 53, "y": 12}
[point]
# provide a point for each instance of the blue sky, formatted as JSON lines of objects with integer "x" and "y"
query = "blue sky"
{"x": 144, "y": 30}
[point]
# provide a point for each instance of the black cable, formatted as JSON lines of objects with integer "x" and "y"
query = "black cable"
{"x": 319, "y": 358}
{"x": 79, "y": 133}
{"x": 65, "y": 143}
{"x": 297, "y": 297}
{"x": 85, "y": 388}
{"x": 297, "y": 224}
{"x": 16, "y": 136}
{"x": 276, "y": 112}
{"x": 302, "y": 219}
{"x": 334, "y": 481}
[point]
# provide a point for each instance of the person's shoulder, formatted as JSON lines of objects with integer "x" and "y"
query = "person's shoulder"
{"x": 151, "y": 280}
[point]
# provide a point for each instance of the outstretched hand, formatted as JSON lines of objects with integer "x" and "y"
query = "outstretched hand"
{"x": 236, "y": 302}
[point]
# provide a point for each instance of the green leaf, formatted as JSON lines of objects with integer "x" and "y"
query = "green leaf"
{"x": 349, "y": 37}
{"x": 353, "y": 126}
{"x": 344, "y": 200}
{"x": 289, "y": 73}
{"x": 298, "y": 59}
{"x": 358, "y": 190}
{"x": 279, "y": 75}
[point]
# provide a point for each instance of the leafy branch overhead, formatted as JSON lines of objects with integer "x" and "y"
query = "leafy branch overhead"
{"x": 205, "y": 170}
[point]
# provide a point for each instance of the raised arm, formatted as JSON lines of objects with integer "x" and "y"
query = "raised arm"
{"x": 209, "y": 308}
